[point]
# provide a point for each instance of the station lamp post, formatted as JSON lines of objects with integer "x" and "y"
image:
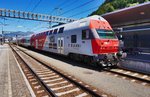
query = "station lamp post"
{"x": 1, "y": 38}
{"x": 17, "y": 40}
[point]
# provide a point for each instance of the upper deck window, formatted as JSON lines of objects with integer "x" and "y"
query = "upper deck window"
{"x": 50, "y": 32}
{"x": 55, "y": 31}
{"x": 47, "y": 32}
{"x": 106, "y": 34}
{"x": 61, "y": 30}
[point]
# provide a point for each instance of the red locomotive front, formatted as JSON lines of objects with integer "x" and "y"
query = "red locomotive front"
{"x": 105, "y": 43}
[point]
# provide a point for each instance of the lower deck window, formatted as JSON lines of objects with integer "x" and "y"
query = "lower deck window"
{"x": 73, "y": 38}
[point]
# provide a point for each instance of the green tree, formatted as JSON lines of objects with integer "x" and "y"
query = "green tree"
{"x": 111, "y": 5}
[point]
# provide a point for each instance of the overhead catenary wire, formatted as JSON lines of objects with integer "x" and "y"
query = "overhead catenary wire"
{"x": 65, "y": 3}
{"x": 70, "y": 4}
{"x": 58, "y": 6}
{"x": 78, "y": 7}
{"x": 83, "y": 12}
{"x": 37, "y": 4}
{"x": 28, "y": 5}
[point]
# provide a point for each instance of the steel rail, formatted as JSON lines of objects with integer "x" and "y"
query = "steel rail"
{"x": 66, "y": 77}
{"x": 41, "y": 82}
{"x": 126, "y": 75}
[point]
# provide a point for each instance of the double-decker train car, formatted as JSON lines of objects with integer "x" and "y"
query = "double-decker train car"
{"x": 25, "y": 41}
{"x": 91, "y": 40}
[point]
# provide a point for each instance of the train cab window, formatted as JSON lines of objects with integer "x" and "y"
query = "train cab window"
{"x": 61, "y": 30}
{"x": 73, "y": 38}
{"x": 85, "y": 34}
{"x": 55, "y": 31}
{"x": 106, "y": 34}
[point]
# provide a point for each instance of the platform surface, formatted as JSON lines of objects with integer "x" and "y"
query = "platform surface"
{"x": 145, "y": 57}
{"x": 12, "y": 83}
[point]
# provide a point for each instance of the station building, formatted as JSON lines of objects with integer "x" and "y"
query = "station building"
{"x": 132, "y": 25}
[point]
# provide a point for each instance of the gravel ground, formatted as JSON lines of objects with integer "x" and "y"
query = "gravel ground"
{"x": 12, "y": 83}
{"x": 105, "y": 82}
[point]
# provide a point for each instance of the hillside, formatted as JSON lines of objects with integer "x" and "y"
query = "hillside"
{"x": 112, "y": 5}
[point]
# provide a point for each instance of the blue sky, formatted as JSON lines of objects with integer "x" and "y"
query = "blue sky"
{"x": 45, "y": 7}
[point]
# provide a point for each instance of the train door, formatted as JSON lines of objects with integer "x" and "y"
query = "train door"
{"x": 36, "y": 43}
{"x": 60, "y": 47}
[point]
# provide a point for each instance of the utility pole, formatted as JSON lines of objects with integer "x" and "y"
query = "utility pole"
{"x": 17, "y": 40}
{"x": 3, "y": 24}
{"x": 2, "y": 30}
{"x": 50, "y": 24}
{"x": 2, "y": 36}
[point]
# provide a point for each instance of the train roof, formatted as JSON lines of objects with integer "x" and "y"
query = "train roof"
{"x": 84, "y": 22}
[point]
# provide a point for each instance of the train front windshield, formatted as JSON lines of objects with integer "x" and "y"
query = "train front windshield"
{"x": 106, "y": 34}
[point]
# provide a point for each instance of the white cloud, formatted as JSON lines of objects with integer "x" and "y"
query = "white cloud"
{"x": 20, "y": 26}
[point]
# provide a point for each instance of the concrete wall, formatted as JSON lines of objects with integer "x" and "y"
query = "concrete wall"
{"x": 136, "y": 65}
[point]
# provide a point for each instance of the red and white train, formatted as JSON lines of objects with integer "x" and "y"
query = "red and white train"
{"x": 91, "y": 40}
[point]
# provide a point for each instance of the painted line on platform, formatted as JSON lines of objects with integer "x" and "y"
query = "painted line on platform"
{"x": 9, "y": 77}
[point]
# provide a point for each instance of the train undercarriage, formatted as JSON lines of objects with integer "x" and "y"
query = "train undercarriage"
{"x": 103, "y": 60}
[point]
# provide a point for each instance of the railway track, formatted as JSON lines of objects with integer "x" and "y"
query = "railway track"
{"x": 48, "y": 81}
{"x": 38, "y": 89}
{"x": 133, "y": 76}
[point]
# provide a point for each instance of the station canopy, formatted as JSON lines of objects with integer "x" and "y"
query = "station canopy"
{"x": 129, "y": 16}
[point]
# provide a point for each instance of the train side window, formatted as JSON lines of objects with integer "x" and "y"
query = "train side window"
{"x": 55, "y": 31}
{"x": 85, "y": 34}
{"x": 51, "y": 31}
{"x": 52, "y": 39}
{"x": 47, "y": 32}
{"x": 28, "y": 41}
{"x": 61, "y": 30}
{"x": 73, "y": 38}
